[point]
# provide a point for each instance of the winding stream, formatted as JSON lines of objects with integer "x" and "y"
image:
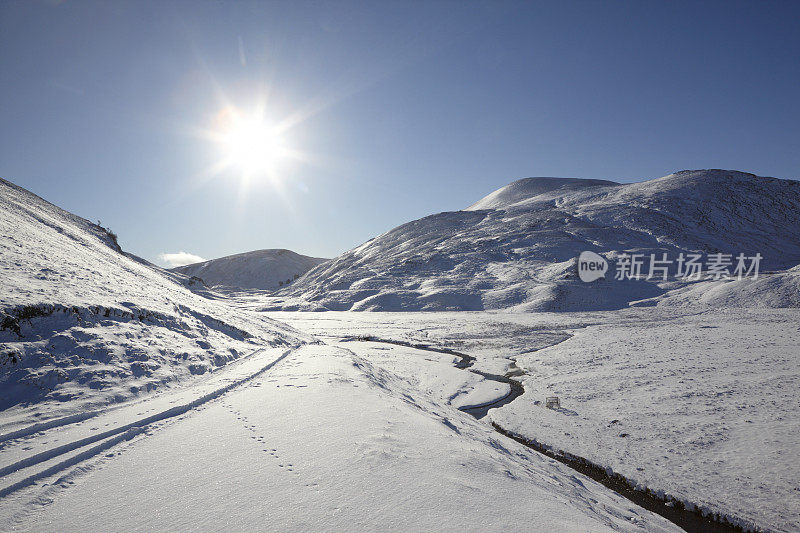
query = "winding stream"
{"x": 465, "y": 363}
{"x": 673, "y": 510}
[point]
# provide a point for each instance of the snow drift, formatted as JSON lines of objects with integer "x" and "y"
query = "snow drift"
{"x": 516, "y": 248}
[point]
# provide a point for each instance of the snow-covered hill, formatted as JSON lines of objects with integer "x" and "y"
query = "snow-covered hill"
{"x": 82, "y": 321}
{"x": 260, "y": 269}
{"x": 517, "y": 247}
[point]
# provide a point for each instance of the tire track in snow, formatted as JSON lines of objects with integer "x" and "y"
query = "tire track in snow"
{"x": 50, "y": 424}
{"x": 81, "y": 417}
{"x": 71, "y": 461}
{"x": 114, "y": 436}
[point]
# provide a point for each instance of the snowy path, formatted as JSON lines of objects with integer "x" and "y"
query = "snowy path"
{"x": 322, "y": 440}
{"x": 42, "y": 450}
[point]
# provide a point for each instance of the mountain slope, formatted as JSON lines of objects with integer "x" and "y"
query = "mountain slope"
{"x": 516, "y": 248}
{"x": 82, "y": 321}
{"x": 259, "y": 269}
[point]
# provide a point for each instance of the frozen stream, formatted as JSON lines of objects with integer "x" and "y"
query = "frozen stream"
{"x": 688, "y": 520}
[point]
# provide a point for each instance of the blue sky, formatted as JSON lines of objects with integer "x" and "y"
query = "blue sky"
{"x": 398, "y": 110}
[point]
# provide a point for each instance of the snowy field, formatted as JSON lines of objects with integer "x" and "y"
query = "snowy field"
{"x": 319, "y": 438}
{"x": 700, "y": 406}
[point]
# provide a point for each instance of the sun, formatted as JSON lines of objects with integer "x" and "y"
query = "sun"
{"x": 250, "y": 143}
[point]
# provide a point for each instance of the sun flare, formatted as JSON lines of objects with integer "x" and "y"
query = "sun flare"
{"x": 250, "y": 143}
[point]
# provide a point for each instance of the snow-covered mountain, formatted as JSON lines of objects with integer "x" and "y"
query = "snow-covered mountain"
{"x": 260, "y": 269}
{"x": 517, "y": 247}
{"x": 80, "y": 320}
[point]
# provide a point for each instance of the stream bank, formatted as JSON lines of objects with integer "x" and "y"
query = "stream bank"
{"x": 674, "y": 510}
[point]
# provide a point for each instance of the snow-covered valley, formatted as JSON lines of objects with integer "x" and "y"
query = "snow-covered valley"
{"x": 323, "y": 440}
{"x": 132, "y": 397}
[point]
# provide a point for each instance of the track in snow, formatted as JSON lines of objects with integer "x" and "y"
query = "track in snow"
{"x": 24, "y": 472}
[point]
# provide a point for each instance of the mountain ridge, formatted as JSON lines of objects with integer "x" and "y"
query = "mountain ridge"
{"x": 521, "y": 255}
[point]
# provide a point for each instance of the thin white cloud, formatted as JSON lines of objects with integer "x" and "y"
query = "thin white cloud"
{"x": 180, "y": 259}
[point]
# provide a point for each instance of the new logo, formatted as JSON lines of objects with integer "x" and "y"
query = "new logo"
{"x": 591, "y": 266}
